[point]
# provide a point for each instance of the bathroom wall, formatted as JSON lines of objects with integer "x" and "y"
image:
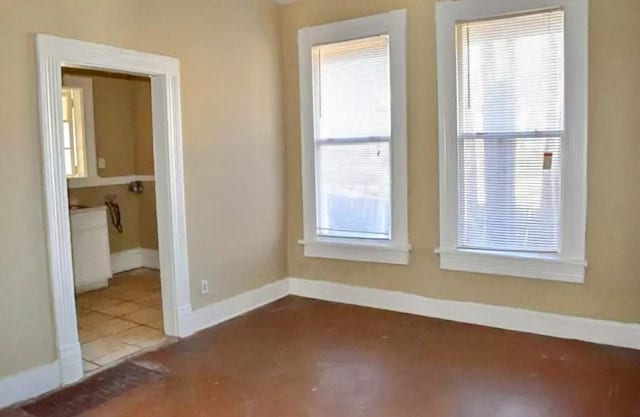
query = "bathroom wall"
{"x": 129, "y": 209}
{"x": 147, "y": 218}
{"x": 124, "y": 139}
{"x": 115, "y": 121}
{"x": 143, "y": 126}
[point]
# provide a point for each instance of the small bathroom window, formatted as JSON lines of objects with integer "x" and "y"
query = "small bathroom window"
{"x": 75, "y": 154}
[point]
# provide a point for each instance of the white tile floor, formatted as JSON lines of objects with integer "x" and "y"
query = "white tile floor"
{"x": 120, "y": 320}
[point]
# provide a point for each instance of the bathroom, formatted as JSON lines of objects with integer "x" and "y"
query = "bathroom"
{"x": 108, "y": 133}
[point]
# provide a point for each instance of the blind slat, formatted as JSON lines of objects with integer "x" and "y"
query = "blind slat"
{"x": 352, "y": 111}
{"x": 510, "y": 130}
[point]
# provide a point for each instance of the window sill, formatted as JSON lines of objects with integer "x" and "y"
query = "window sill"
{"x": 361, "y": 250}
{"x": 523, "y": 265}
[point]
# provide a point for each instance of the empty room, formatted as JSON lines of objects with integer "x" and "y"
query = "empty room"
{"x": 380, "y": 208}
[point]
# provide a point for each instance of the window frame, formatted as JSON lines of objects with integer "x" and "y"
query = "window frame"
{"x": 77, "y": 136}
{"x": 569, "y": 264}
{"x": 396, "y": 249}
{"x": 85, "y": 84}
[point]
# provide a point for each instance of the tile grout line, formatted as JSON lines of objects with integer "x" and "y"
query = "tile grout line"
{"x": 149, "y": 292}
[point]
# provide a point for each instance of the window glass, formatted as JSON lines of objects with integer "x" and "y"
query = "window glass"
{"x": 352, "y": 111}
{"x": 510, "y": 75}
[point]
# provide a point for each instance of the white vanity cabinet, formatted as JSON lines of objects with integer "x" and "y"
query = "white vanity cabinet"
{"x": 90, "y": 245}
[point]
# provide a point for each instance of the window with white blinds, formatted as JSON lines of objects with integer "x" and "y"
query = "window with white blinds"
{"x": 511, "y": 125}
{"x": 352, "y": 137}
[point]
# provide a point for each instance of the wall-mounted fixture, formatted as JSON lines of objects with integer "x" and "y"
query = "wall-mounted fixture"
{"x": 114, "y": 212}
{"x": 136, "y": 187}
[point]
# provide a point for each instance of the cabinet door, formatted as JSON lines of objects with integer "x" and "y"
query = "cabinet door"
{"x": 91, "y": 255}
{"x": 90, "y": 245}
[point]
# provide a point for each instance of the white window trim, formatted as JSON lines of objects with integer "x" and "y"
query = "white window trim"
{"x": 393, "y": 251}
{"x": 86, "y": 85}
{"x": 569, "y": 263}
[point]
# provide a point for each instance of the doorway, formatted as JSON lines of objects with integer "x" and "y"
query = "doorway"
{"x": 108, "y": 155}
{"x": 54, "y": 54}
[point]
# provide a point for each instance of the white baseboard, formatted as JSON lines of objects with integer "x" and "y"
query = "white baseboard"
{"x": 80, "y": 288}
{"x": 231, "y": 307}
{"x": 134, "y": 258}
{"x": 39, "y": 380}
{"x": 34, "y": 382}
{"x": 29, "y": 384}
{"x": 548, "y": 324}
{"x": 149, "y": 258}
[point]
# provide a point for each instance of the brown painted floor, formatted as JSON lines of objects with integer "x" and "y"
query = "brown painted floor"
{"x": 299, "y": 357}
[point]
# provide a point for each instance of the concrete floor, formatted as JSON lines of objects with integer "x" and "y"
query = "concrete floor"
{"x": 299, "y": 357}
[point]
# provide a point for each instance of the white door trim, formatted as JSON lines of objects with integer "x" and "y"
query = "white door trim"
{"x": 53, "y": 53}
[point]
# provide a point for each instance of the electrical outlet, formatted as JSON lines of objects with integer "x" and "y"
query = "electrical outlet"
{"x": 102, "y": 163}
{"x": 204, "y": 286}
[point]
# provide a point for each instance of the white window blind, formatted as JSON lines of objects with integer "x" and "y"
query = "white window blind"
{"x": 510, "y": 73}
{"x": 352, "y": 134}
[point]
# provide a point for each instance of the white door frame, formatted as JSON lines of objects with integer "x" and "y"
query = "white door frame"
{"x": 54, "y": 53}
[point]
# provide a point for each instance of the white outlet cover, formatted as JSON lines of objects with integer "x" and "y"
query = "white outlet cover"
{"x": 102, "y": 163}
{"x": 204, "y": 286}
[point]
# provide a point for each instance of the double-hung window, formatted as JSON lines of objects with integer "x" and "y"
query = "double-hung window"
{"x": 78, "y": 127}
{"x": 352, "y": 90}
{"x": 75, "y": 160}
{"x": 513, "y": 115}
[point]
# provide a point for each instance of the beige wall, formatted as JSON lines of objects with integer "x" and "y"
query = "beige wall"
{"x": 235, "y": 170}
{"x": 123, "y": 125}
{"x": 230, "y": 81}
{"x": 124, "y": 139}
{"x": 114, "y": 125}
{"x": 137, "y": 214}
{"x": 612, "y": 288}
{"x": 143, "y": 127}
{"x": 147, "y": 216}
{"x": 129, "y": 213}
